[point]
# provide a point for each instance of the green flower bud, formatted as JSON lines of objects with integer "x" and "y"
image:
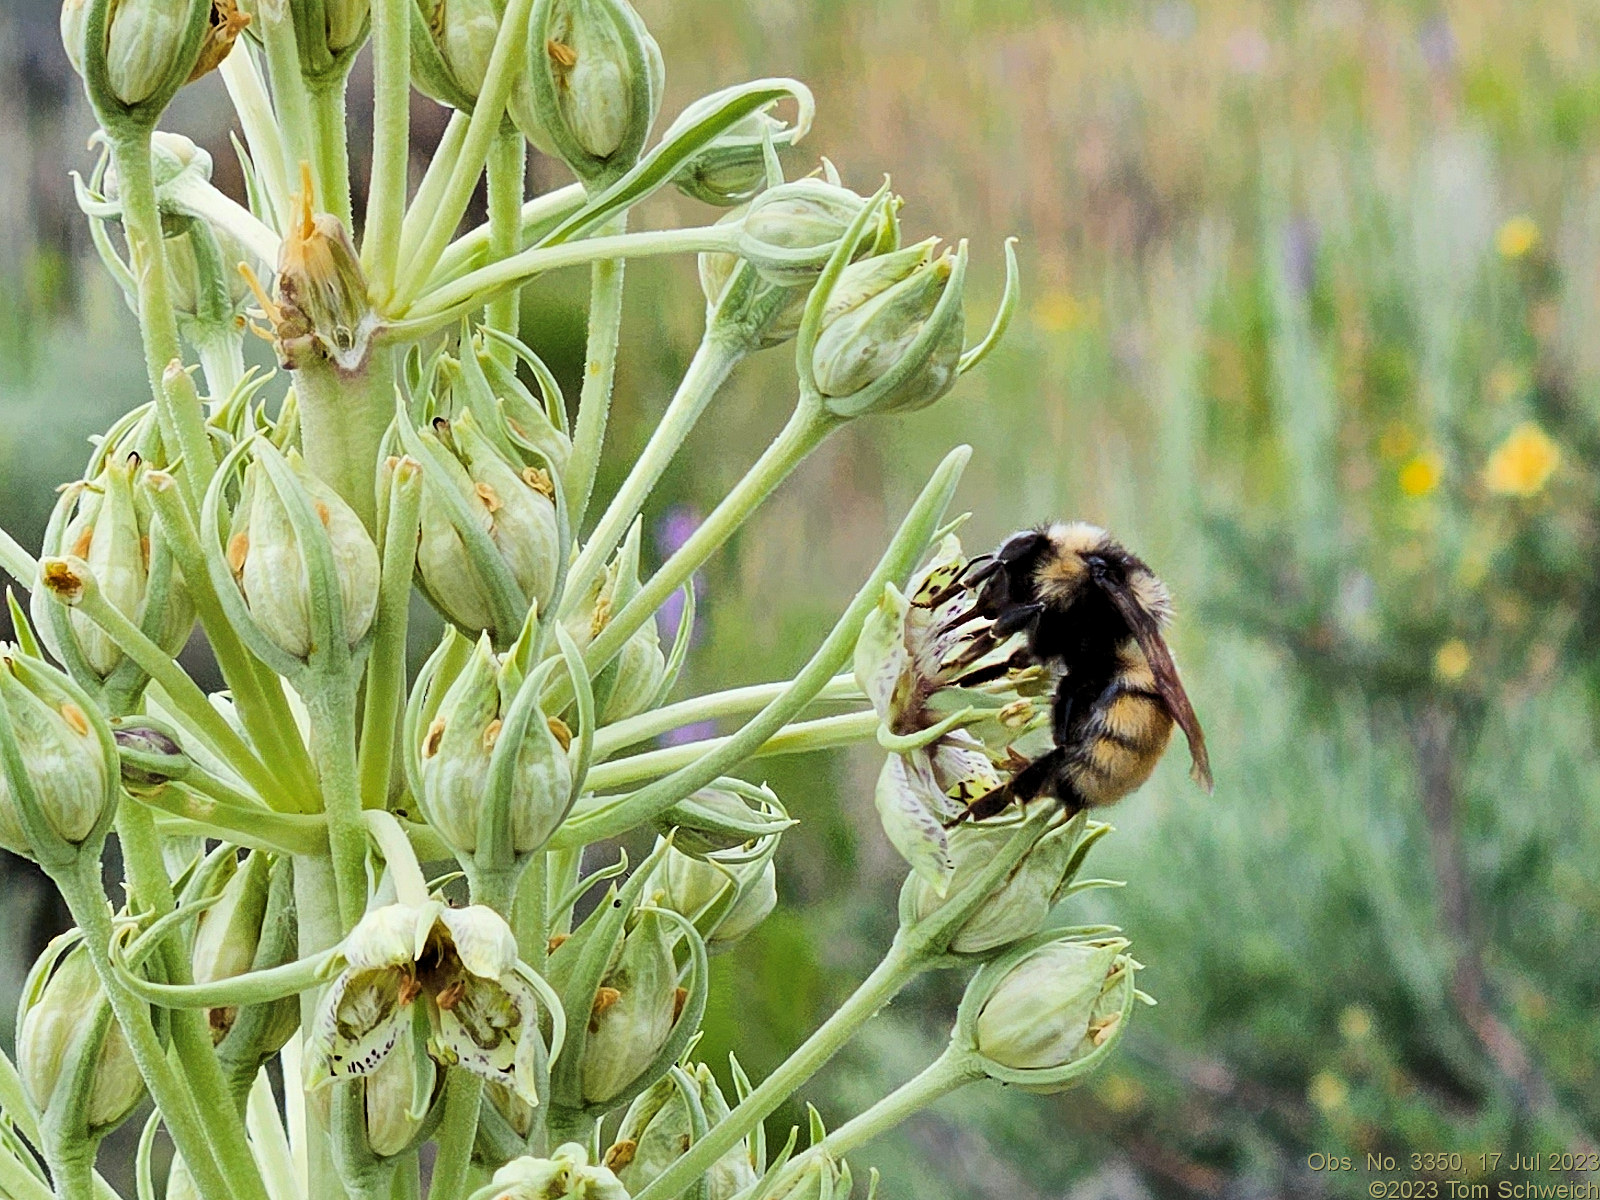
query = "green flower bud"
{"x": 596, "y": 79}
{"x": 112, "y": 529}
{"x": 145, "y": 43}
{"x": 271, "y": 566}
{"x": 1021, "y": 904}
{"x": 229, "y": 932}
{"x": 180, "y": 1183}
{"x": 470, "y": 480}
{"x": 657, "y": 1129}
{"x": 565, "y": 1175}
{"x": 733, "y": 169}
{"x": 66, "y": 757}
{"x": 328, "y": 33}
{"x": 726, "y": 894}
{"x": 793, "y": 229}
{"x": 65, "y": 1016}
{"x": 738, "y": 295}
{"x": 630, "y": 683}
{"x": 891, "y": 334}
{"x": 203, "y": 279}
{"x": 634, "y": 1010}
{"x": 725, "y": 816}
{"x": 149, "y": 755}
{"x": 1049, "y": 1009}
{"x": 463, "y": 749}
{"x": 396, "y": 1114}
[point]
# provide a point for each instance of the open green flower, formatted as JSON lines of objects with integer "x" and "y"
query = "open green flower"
{"x": 460, "y": 962}
{"x": 566, "y": 1175}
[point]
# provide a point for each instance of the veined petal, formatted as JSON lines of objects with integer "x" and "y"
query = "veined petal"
{"x": 480, "y": 1025}
{"x": 388, "y": 937}
{"x": 358, "y": 1023}
{"x": 484, "y": 942}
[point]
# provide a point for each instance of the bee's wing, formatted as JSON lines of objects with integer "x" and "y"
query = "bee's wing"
{"x": 1148, "y": 632}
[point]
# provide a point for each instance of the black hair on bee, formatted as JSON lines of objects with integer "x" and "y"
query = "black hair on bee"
{"x": 1094, "y": 612}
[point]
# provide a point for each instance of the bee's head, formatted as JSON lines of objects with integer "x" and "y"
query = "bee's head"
{"x": 1076, "y": 555}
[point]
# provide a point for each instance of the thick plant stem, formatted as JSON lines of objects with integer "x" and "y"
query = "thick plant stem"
{"x": 183, "y": 426}
{"x": 897, "y": 969}
{"x": 71, "y": 1174}
{"x": 807, "y": 428}
{"x": 731, "y": 703}
{"x": 947, "y": 1073}
{"x": 457, "y": 1129}
{"x": 343, "y": 419}
{"x": 331, "y": 161}
{"x": 317, "y": 911}
{"x": 708, "y": 370}
{"x": 599, "y": 371}
{"x": 391, "y": 146}
{"x": 79, "y": 885}
{"x": 151, "y": 892}
{"x": 508, "y": 162}
{"x": 333, "y": 746}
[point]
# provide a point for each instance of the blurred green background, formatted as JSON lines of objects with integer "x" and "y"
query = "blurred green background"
{"x": 1310, "y": 311}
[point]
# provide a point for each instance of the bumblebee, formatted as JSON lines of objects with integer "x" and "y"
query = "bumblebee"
{"x": 1093, "y": 612}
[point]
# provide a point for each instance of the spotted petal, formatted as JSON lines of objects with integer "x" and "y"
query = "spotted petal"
{"x": 488, "y": 1027}
{"x": 484, "y": 942}
{"x": 358, "y": 1023}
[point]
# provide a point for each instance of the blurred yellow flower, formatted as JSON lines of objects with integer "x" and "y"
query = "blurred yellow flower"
{"x": 1121, "y": 1094}
{"x": 1523, "y": 463}
{"x": 1421, "y": 474}
{"x": 1355, "y": 1023}
{"x": 1452, "y": 660}
{"x": 1328, "y": 1092}
{"x": 1516, "y": 237}
{"x": 1058, "y": 311}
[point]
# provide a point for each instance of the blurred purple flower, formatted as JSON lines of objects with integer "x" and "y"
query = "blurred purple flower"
{"x": 697, "y": 732}
{"x": 1437, "y": 42}
{"x": 1300, "y": 254}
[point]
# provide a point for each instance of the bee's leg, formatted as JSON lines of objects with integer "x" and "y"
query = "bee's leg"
{"x": 990, "y": 804}
{"x": 1061, "y": 714}
{"x": 1022, "y": 616}
{"x": 1038, "y": 776}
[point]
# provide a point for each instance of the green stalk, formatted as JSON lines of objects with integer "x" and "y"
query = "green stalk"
{"x": 248, "y": 92}
{"x": 807, "y": 428}
{"x": 343, "y": 420}
{"x": 441, "y": 308}
{"x": 183, "y": 693}
{"x": 331, "y": 705}
{"x": 17, "y": 562}
{"x": 182, "y": 425}
{"x": 386, "y": 664}
{"x": 257, "y": 693}
{"x": 434, "y": 180}
{"x": 949, "y": 1072}
{"x": 331, "y": 151}
{"x": 508, "y": 163}
{"x": 504, "y": 63}
{"x": 391, "y": 143}
{"x": 898, "y": 968}
{"x": 733, "y": 702}
{"x": 599, "y": 371}
{"x": 222, "y": 360}
{"x": 316, "y": 900}
{"x": 802, "y": 737}
{"x": 151, "y": 891}
{"x": 471, "y": 249}
{"x": 530, "y": 913}
{"x": 291, "y": 101}
{"x": 79, "y": 885}
{"x": 713, "y": 361}
{"x": 457, "y": 1129}
{"x": 72, "y": 1174}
